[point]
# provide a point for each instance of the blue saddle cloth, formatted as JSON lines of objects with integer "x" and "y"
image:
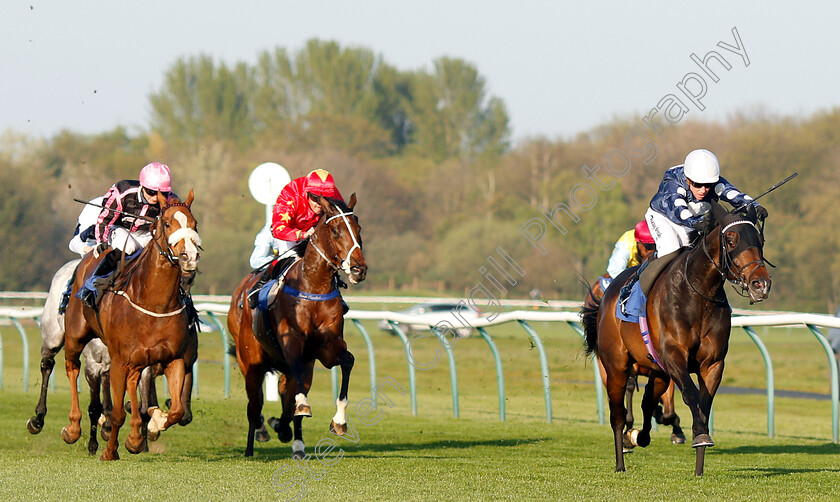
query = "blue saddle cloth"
{"x": 262, "y": 299}
{"x": 636, "y": 303}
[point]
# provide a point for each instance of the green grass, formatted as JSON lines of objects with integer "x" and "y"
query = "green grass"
{"x": 433, "y": 456}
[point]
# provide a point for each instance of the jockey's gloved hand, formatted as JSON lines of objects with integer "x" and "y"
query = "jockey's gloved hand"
{"x": 760, "y": 212}
{"x": 704, "y": 224}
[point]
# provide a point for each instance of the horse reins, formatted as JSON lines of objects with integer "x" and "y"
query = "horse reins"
{"x": 727, "y": 266}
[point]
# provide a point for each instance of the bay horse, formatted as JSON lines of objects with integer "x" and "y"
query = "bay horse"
{"x": 666, "y": 413}
{"x": 302, "y": 328}
{"x": 143, "y": 321}
{"x": 689, "y": 320}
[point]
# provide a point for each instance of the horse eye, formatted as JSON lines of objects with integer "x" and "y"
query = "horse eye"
{"x": 334, "y": 231}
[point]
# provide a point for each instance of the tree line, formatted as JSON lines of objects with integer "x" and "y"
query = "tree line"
{"x": 428, "y": 152}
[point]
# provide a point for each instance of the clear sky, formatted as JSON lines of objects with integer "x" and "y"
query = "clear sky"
{"x": 560, "y": 67}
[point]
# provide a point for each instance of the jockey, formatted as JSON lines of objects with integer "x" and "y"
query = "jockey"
{"x": 682, "y": 207}
{"x": 127, "y": 230}
{"x": 293, "y": 220}
{"x": 631, "y": 249}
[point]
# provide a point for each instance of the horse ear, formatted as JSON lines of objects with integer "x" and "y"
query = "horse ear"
{"x": 352, "y": 202}
{"x": 190, "y": 198}
{"x": 325, "y": 204}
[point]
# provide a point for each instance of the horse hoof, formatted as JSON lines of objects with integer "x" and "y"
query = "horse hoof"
{"x": 152, "y": 435}
{"x": 65, "y": 435}
{"x": 298, "y": 454}
{"x": 134, "y": 449}
{"x": 678, "y": 438}
{"x": 303, "y": 410}
{"x": 338, "y": 429}
{"x": 274, "y": 423}
{"x": 34, "y": 426}
{"x": 262, "y": 435}
{"x": 702, "y": 440}
{"x": 109, "y": 455}
{"x": 643, "y": 439}
{"x": 632, "y": 438}
{"x": 92, "y": 447}
{"x": 105, "y": 434}
{"x": 285, "y": 434}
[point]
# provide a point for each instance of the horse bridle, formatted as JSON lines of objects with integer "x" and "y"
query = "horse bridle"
{"x": 345, "y": 264}
{"x": 727, "y": 267}
{"x": 176, "y": 236}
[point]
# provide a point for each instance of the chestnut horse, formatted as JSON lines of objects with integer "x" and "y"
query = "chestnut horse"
{"x": 303, "y": 327}
{"x": 665, "y": 414}
{"x": 143, "y": 321}
{"x": 689, "y": 321}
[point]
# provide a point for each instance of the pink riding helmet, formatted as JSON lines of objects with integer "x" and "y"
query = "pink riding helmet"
{"x": 156, "y": 176}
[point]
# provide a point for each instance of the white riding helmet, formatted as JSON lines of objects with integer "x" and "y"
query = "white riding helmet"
{"x": 701, "y": 166}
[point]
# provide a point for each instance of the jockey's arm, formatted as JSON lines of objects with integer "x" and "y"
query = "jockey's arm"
{"x": 108, "y": 218}
{"x": 671, "y": 201}
{"x": 727, "y": 192}
{"x": 619, "y": 258}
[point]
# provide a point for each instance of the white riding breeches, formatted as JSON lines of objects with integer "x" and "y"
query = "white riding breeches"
{"x": 669, "y": 236}
{"x": 122, "y": 239}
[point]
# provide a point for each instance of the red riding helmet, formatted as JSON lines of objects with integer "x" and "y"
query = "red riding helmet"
{"x": 642, "y": 233}
{"x": 320, "y": 182}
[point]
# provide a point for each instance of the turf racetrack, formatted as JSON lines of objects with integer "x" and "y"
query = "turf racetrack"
{"x": 434, "y": 456}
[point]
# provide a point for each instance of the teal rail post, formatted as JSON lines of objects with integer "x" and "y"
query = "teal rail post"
{"x": 771, "y": 385}
{"x": 412, "y": 383}
{"x": 334, "y": 378}
{"x": 225, "y": 356}
{"x": 453, "y": 373}
{"x": 500, "y": 376}
{"x": 832, "y": 365}
{"x": 372, "y": 360}
{"x": 544, "y": 365}
{"x": 599, "y": 384}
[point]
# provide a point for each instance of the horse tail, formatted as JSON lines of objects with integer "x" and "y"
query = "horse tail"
{"x": 589, "y": 319}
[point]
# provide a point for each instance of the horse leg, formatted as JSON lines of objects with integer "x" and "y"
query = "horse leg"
{"x": 338, "y": 425}
{"x": 282, "y": 425}
{"x": 653, "y": 390}
{"x": 677, "y": 366}
{"x": 36, "y": 423}
{"x": 94, "y": 380}
{"x": 302, "y": 408}
{"x": 254, "y": 377}
{"x": 669, "y": 415}
{"x": 175, "y": 373}
{"x": 298, "y": 446}
{"x": 186, "y": 396}
{"x": 136, "y": 441}
{"x": 71, "y": 433}
{"x": 107, "y": 406}
{"x": 149, "y": 405}
{"x": 616, "y": 385}
{"x": 118, "y": 376}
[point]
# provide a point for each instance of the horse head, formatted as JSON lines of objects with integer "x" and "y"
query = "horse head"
{"x": 177, "y": 229}
{"x": 742, "y": 255}
{"x": 340, "y": 236}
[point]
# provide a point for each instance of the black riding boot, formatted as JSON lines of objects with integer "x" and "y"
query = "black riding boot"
{"x": 254, "y": 292}
{"x": 102, "y": 278}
